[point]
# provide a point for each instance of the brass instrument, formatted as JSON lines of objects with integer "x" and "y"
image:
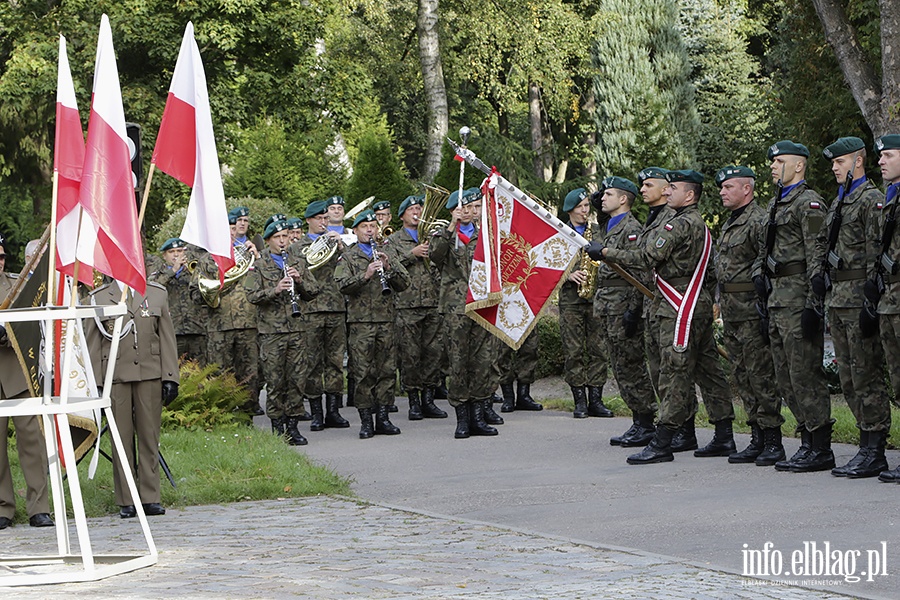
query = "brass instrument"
{"x": 588, "y": 287}
{"x": 295, "y": 308}
{"x": 320, "y": 251}
{"x": 210, "y": 289}
{"x": 435, "y": 197}
{"x": 367, "y": 203}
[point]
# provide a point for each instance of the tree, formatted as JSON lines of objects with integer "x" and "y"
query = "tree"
{"x": 433, "y": 81}
{"x": 377, "y": 172}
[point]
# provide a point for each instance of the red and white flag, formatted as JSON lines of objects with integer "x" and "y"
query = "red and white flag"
{"x": 533, "y": 251}
{"x": 68, "y": 160}
{"x": 110, "y": 239}
{"x": 186, "y": 150}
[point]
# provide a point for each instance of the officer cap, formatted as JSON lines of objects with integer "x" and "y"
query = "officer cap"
{"x": 169, "y": 244}
{"x": 453, "y": 200}
{"x": 844, "y": 145}
{"x": 890, "y": 141}
{"x": 684, "y": 175}
{"x": 471, "y": 195}
{"x": 317, "y": 207}
{"x": 364, "y": 216}
{"x": 619, "y": 183}
{"x": 237, "y": 212}
{"x": 274, "y": 227}
{"x": 651, "y": 173}
{"x": 574, "y": 198}
{"x": 732, "y": 171}
{"x": 381, "y": 205}
{"x": 334, "y": 200}
{"x": 787, "y": 147}
{"x": 410, "y": 201}
{"x": 273, "y": 218}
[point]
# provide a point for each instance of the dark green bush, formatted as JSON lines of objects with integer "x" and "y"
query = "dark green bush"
{"x": 207, "y": 397}
{"x": 550, "y": 356}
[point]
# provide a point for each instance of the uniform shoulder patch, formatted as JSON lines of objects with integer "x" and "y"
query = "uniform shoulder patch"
{"x": 815, "y": 204}
{"x": 669, "y": 227}
{"x": 633, "y": 237}
{"x": 879, "y": 205}
{"x": 660, "y": 242}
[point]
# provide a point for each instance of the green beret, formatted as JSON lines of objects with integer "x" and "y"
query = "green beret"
{"x": 274, "y": 227}
{"x": 364, "y": 216}
{"x": 686, "y": 175}
{"x": 732, "y": 171}
{"x": 410, "y": 201}
{"x": 334, "y": 200}
{"x": 317, "y": 207}
{"x": 787, "y": 147}
{"x": 471, "y": 195}
{"x": 295, "y": 223}
{"x": 169, "y": 244}
{"x": 890, "y": 141}
{"x": 239, "y": 211}
{"x": 844, "y": 145}
{"x": 453, "y": 200}
{"x": 381, "y": 205}
{"x": 273, "y": 218}
{"x": 619, "y": 183}
{"x": 574, "y": 198}
{"x": 2, "y": 240}
{"x": 651, "y": 173}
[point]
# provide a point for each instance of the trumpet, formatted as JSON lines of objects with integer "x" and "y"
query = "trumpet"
{"x": 295, "y": 308}
{"x": 382, "y": 276}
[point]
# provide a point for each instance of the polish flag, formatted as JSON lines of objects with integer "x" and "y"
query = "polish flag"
{"x": 68, "y": 159}
{"x": 186, "y": 150}
{"x": 109, "y": 239}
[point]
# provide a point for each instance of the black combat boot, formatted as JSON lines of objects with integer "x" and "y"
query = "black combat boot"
{"x": 490, "y": 416}
{"x": 318, "y": 418}
{"x": 596, "y": 408}
{"x": 580, "y": 398}
{"x": 892, "y": 476}
{"x": 858, "y": 459}
{"x": 722, "y": 443}
{"x": 333, "y": 417}
{"x": 524, "y": 401}
{"x": 351, "y": 389}
{"x": 658, "y": 450}
{"x": 366, "y": 429}
{"x": 509, "y": 398}
{"x": 749, "y": 454}
{"x": 429, "y": 408}
{"x": 685, "y": 438}
{"x": 392, "y": 408}
{"x": 278, "y": 426}
{"x": 875, "y": 462}
{"x": 254, "y": 409}
{"x": 462, "y": 421}
{"x": 415, "y": 405}
{"x": 441, "y": 392}
{"x": 477, "y": 424}
{"x": 800, "y": 454}
{"x": 293, "y": 434}
{"x": 773, "y": 450}
{"x": 820, "y": 456}
{"x": 383, "y": 425}
{"x": 617, "y": 440}
{"x": 643, "y": 434}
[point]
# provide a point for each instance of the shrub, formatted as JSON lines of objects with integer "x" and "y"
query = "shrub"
{"x": 550, "y": 356}
{"x": 207, "y": 397}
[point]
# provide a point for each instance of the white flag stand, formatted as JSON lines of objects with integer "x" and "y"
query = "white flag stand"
{"x": 65, "y": 566}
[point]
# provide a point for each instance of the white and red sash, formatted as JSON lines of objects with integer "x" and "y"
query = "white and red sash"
{"x": 684, "y": 304}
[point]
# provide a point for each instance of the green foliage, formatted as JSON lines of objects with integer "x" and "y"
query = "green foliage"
{"x": 550, "y": 355}
{"x": 377, "y": 172}
{"x": 207, "y": 398}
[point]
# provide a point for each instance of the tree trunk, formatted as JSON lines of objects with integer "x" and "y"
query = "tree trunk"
{"x": 540, "y": 144}
{"x": 590, "y": 138}
{"x": 890, "y": 66}
{"x": 433, "y": 83}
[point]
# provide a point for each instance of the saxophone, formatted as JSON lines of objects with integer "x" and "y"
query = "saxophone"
{"x": 588, "y": 287}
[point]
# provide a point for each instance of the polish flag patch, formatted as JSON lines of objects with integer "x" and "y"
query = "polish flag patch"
{"x": 632, "y": 237}
{"x": 669, "y": 227}
{"x": 815, "y": 205}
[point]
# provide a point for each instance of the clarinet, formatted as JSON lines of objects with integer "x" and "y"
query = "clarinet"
{"x": 385, "y": 288}
{"x": 295, "y": 308}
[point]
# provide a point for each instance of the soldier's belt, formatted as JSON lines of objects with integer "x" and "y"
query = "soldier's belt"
{"x": 791, "y": 268}
{"x": 735, "y": 288}
{"x": 615, "y": 282}
{"x": 891, "y": 278}
{"x": 848, "y": 275}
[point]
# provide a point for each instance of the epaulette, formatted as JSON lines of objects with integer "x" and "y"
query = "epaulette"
{"x": 98, "y": 288}
{"x": 12, "y": 275}
{"x": 157, "y": 285}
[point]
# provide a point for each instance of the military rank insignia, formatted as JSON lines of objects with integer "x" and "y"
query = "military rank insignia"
{"x": 145, "y": 308}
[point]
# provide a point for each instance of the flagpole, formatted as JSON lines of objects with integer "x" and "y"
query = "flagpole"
{"x": 146, "y": 194}
{"x": 51, "y": 297}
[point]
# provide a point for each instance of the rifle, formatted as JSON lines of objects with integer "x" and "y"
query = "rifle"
{"x": 770, "y": 266}
{"x": 884, "y": 264}
{"x": 831, "y": 259}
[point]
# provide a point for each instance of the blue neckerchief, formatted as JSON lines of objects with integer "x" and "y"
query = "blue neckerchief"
{"x": 613, "y": 221}
{"x": 240, "y": 241}
{"x": 468, "y": 230}
{"x": 580, "y": 229}
{"x": 856, "y": 183}
{"x": 336, "y": 228}
{"x": 278, "y": 260}
{"x": 366, "y": 248}
{"x": 177, "y": 273}
{"x": 413, "y": 233}
{"x": 892, "y": 191}
{"x": 313, "y": 236}
{"x": 787, "y": 190}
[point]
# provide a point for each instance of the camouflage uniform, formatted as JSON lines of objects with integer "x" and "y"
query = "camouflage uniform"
{"x": 889, "y": 305}
{"x": 188, "y": 317}
{"x": 751, "y": 359}
{"x": 519, "y": 365}
{"x": 648, "y": 235}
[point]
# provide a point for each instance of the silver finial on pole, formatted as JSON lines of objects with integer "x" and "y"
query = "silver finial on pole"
{"x": 464, "y": 133}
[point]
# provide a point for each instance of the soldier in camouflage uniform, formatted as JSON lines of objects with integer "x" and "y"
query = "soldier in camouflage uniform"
{"x": 859, "y": 358}
{"x": 751, "y": 359}
{"x": 794, "y": 326}
{"x": 382, "y": 210}
{"x": 471, "y": 348}
{"x": 324, "y": 327}
{"x": 274, "y": 285}
{"x": 677, "y": 256}
{"x": 187, "y": 316}
{"x": 334, "y": 211}
{"x": 417, "y": 324}
{"x": 582, "y": 336}
{"x": 364, "y": 273}
{"x": 518, "y": 366}
{"x": 617, "y": 308}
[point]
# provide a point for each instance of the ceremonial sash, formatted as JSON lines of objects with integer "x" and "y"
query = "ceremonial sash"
{"x": 684, "y": 304}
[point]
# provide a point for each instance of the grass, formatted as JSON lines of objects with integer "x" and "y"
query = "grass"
{"x": 209, "y": 467}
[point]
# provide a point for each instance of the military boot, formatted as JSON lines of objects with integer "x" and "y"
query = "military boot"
{"x": 318, "y": 417}
{"x": 462, "y": 421}
{"x": 304, "y": 416}
{"x": 490, "y": 416}
{"x": 383, "y": 425}
{"x": 875, "y": 461}
{"x": 892, "y": 476}
{"x": 617, "y": 440}
{"x": 415, "y": 406}
{"x": 366, "y": 429}
{"x": 773, "y": 450}
{"x": 293, "y": 434}
{"x": 441, "y": 392}
{"x": 333, "y": 417}
{"x": 392, "y": 408}
{"x": 641, "y": 435}
{"x": 858, "y": 459}
{"x": 524, "y": 401}
{"x": 820, "y": 457}
{"x": 749, "y": 454}
{"x": 351, "y": 389}
{"x": 658, "y": 450}
{"x": 580, "y": 398}
{"x": 509, "y": 398}
{"x": 685, "y": 437}
{"x": 800, "y": 454}
{"x": 429, "y": 408}
{"x": 722, "y": 443}
{"x": 596, "y": 408}
{"x": 278, "y": 426}
{"x": 477, "y": 424}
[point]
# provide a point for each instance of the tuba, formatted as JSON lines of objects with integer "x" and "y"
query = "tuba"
{"x": 319, "y": 252}
{"x": 210, "y": 289}
{"x": 435, "y": 197}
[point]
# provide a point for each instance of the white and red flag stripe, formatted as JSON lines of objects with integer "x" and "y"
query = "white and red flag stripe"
{"x": 186, "y": 150}
{"x": 109, "y": 239}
